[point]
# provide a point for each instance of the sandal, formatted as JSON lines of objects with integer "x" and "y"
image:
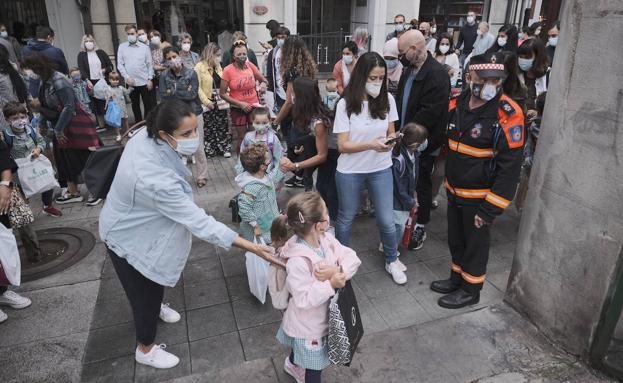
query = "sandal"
{"x": 202, "y": 182}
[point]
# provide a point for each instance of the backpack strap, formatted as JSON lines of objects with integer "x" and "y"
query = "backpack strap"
{"x": 33, "y": 135}
{"x": 8, "y": 140}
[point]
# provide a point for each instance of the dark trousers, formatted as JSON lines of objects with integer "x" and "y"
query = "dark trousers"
{"x": 149, "y": 101}
{"x": 424, "y": 189}
{"x": 145, "y": 297}
{"x": 30, "y": 241}
{"x": 469, "y": 247}
{"x": 311, "y": 376}
{"x": 325, "y": 183}
{"x": 46, "y": 197}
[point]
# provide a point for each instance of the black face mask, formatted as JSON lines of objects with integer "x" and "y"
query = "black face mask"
{"x": 404, "y": 61}
{"x": 476, "y": 89}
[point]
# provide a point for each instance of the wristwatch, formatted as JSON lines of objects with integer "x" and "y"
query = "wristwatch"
{"x": 296, "y": 166}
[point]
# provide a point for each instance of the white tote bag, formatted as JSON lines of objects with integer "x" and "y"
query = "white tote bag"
{"x": 100, "y": 90}
{"x": 257, "y": 272}
{"x": 9, "y": 256}
{"x": 36, "y": 175}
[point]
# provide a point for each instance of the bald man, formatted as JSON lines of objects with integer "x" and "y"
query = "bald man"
{"x": 431, "y": 42}
{"x": 422, "y": 97}
{"x": 484, "y": 41}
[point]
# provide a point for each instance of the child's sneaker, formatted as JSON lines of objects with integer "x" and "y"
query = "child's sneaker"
{"x": 52, "y": 211}
{"x": 298, "y": 373}
{"x": 118, "y": 138}
{"x": 227, "y": 155}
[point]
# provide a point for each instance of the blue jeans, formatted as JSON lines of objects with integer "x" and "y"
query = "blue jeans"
{"x": 380, "y": 190}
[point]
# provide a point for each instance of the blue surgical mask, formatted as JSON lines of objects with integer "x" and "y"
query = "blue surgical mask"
{"x": 423, "y": 146}
{"x": 280, "y": 42}
{"x": 552, "y": 41}
{"x": 347, "y": 59}
{"x": 132, "y": 39}
{"x": 525, "y": 64}
{"x": 4, "y": 34}
{"x": 76, "y": 78}
{"x": 400, "y": 28}
{"x": 187, "y": 147}
{"x": 391, "y": 64}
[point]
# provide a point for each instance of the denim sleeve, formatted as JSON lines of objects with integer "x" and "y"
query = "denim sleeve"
{"x": 67, "y": 100}
{"x": 186, "y": 93}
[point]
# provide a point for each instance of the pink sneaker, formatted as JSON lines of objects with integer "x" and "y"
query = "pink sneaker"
{"x": 298, "y": 373}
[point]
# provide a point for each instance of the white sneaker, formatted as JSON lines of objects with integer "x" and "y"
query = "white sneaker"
{"x": 193, "y": 159}
{"x": 227, "y": 154}
{"x": 398, "y": 275}
{"x": 13, "y": 299}
{"x": 157, "y": 357}
{"x": 168, "y": 315}
{"x": 3, "y": 316}
{"x": 400, "y": 264}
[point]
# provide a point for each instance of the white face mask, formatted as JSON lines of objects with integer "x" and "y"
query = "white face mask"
{"x": 433, "y": 31}
{"x": 470, "y": 19}
{"x": 502, "y": 41}
{"x": 479, "y": 32}
{"x": 373, "y": 89}
{"x": 218, "y": 59}
{"x": 525, "y": 64}
{"x": 552, "y": 41}
{"x": 489, "y": 91}
{"x": 155, "y": 40}
{"x": 19, "y": 125}
{"x": 142, "y": 38}
{"x": 399, "y": 28}
{"x": 186, "y": 147}
{"x": 260, "y": 128}
{"x": 186, "y": 47}
{"x": 89, "y": 45}
{"x": 280, "y": 42}
{"x": 444, "y": 49}
{"x": 4, "y": 34}
{"x": 348, "y": 59}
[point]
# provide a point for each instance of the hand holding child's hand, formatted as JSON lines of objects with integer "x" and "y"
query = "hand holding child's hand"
{"x": 325, "y": 272}
{"x": 286, "y": 165}
{"x": 338, "y": 280}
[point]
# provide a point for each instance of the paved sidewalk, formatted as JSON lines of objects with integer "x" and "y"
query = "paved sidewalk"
{"x": 80, "y": 325}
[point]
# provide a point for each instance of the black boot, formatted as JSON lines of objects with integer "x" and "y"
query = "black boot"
{"x": 444, "y": 286}
{"x": 458, "y": 299}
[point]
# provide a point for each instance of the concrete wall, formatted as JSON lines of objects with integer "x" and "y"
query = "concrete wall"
{"x": 571, "y": 233}
{"x": 66, "y": 21}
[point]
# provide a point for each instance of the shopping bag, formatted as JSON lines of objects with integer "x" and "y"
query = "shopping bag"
{"x": 100, "y": 90}
{"x": 257, "y": 272}
{"x": 406, "y": 236}
{"x": 36, "y": 175}
{"x": 10, "y": 265}
{"x": 113, "y": 114}
{"x": 345, "y": 326}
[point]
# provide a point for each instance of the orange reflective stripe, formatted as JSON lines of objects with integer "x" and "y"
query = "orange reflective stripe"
{"x": 456, "y": 268}
{"x": 470, "y": 150}
{"x": 472, "y": 279}
{"x": 467, "y": 193}
{"x": 498, "y": 201}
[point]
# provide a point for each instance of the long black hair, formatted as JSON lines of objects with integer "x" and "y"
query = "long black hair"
{"x": 308, "y": 104}
{"x": 512, "y": 36}
{"x": 356, "y": 88}
{"x": 167, "y": 116}
{"x": 536, "y": 48}
{"x": 16, "y": 80}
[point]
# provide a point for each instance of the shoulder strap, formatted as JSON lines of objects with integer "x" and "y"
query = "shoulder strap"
{"x": 33, "y": 135}
{"x": 8, "y": 140}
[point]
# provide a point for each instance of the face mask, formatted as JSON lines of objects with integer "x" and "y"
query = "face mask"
{"x": 175, "y": 63}
{"x": 132, "y": 39}
{"x": 241, "y": 59}
{"x": 470, "y": 19}
{"x": 485, "y": 92}
{"x": 423, "y": 146}
{"x": 552, "y": 41}
{"x": 373, "y": 89}
{"x": 186, "y": 47}
{"x": 4, "y": 34}
{"x": 444, "y": 49}
{"x": 399, "y": 28}
{"x": 187, "y": 147}
{"x": 525, "y": 64}
{"x": 479, "y": 32}
{"x": 391, "y": 64}
{"x": 520, "y": 35}
{"x": 404, "y": 60}
{"x": 280, "y": 42}
{"x": 155, "y": 40}
{"x": 19, "y": 125}
{"x": 142, "y": 38}
{"x": 260, "y": 128}
{"x": 502, "y": 41}
{"x": 433, "y": 30}
{"x": 333, "y": 94}
{"x": 76, "y": 78}
{"x": 89, "y": 45}
{"x": 347, "y": 59}
{"x": 31, "y": 75}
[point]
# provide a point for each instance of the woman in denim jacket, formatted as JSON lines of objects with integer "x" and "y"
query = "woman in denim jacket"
{"x": 149, "y": 219}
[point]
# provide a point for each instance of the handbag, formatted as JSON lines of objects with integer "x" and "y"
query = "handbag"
{"x": 113, "y": 114}
{"x": 36, "y": 175}
{"x": 20, "y": 213}
{"x": 81, "y": 131}
{"x": 10, "y": 264}
{"x": 99, "y": 171}
{"x": 408, "y": 233}
{"x": 345, "y": 326}
{"x": 257, "y": 273}
{"x": 216, "y": 93}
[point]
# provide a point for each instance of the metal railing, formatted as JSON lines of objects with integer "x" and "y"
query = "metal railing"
{"x": 326, "y": 48}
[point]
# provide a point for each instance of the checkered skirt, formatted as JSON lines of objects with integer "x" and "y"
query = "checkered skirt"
{"x": 306, "y": 355}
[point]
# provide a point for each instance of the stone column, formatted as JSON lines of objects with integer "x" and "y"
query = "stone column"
{"x": 569, "y": 251}
{"x": 377, "y": 14}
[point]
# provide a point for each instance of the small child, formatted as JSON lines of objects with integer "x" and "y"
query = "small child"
{"x": 257, "y": 202}
{"x": 263, "y": 134}
{"x": 80, "y": 89}
{"x": 332, "y": 97}
{"x": 23, "y": 141}
{"x": 316, "y": 265}
{"x": 405, "y": 164}
{"x": 120, "y": 95}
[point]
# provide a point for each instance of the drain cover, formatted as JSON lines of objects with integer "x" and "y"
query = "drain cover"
{"x": 60, "y": 249}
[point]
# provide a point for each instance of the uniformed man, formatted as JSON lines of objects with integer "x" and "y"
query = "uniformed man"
{"x": 485, "y": 138}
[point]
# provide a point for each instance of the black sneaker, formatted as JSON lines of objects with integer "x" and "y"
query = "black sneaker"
{"x": 418, "y": 238}
{"x": 92, "y": 201}
{"x": 69, "y": 198}
{"x": 294, "y": 182}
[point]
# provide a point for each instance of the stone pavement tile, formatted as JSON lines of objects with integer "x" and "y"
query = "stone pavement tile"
{"x": 205, "y": 294}
{"x": 216, "y": 353}
{"x": 108, "y": 270}
{"x": 210, "y": 321}
{"x": 55, "y": 311}
{"x": 440, "y": 267}
{"x": 173, "y": 333}
{"x": 419, "y": 277}
{"x": 371, "y": 260}
{"x": 400, "y": 310}
{"x": 118, "y": 370}
{"x": 260, "y": 342}
{"x": 432, "y": 249}
{"x": 234, "y": 263}
{"x": 378, "y": 284}
{"x": 201, "y": 250}
{"x": 250, "y": 312}
{"x": 44, "y": 360}
{"x": 110, "y": 342}
{"x": 238, "y": 287}
{"x": 111, "y": 286}
{"x": 255, "y": 371}
{"x": 111, "y": 310}
{"x": 372, "y": 321}
{"x": 149, "y": 374}
{"x": 202, "y": 271}
{"x": 87, "y": 269}
{"x": 174, "y": 296}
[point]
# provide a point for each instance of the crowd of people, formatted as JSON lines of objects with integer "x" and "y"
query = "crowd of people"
{"x": 389, "y": 129}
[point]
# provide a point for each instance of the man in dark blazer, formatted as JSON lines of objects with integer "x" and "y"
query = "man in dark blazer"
{"x": 422, "y": 97}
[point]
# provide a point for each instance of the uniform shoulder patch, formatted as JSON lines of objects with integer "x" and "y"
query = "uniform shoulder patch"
{"x": 507, "y": 107}
{"x": 514, "y": 136}
{"x": 452, "y": 104}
